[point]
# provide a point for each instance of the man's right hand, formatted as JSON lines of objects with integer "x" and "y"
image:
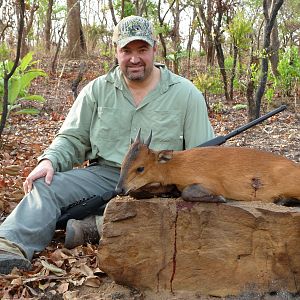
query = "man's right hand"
{"x": 43, "y": 169}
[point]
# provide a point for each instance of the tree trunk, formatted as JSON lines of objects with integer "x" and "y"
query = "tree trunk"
{"x": 208, "y": 21}
{"x": 76, "y": 40}
{"x": 24, "y": 46}
{"x": 161, "y": 20}
{"x": 275, "y": 44}
{"x": 269, "y": 24}
{"x": 112, "y": 11}
{"x": 176, "y": 37}
{"x": 7, "y": 76}
{"x": 251, "y": 87}
{"x": 233, "y": 71}
{"x": 47, "y": 31}
{"x": 219, "y": 50}
{"x": 190, "y": 41}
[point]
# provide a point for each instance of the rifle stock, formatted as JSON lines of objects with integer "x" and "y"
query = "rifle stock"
{"x": 219, "y": 140}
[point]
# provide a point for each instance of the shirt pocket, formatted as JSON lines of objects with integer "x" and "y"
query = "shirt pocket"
{"x": 111, "y": 124}
{"x": 168, "y": 128}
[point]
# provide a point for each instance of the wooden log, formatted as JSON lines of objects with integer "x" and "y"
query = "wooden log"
{"x": 170, "y": 245}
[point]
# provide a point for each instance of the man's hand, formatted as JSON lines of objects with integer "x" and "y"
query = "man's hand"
{"x": 43, "y": 169}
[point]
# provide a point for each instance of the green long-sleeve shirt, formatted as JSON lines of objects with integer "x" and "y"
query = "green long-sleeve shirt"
{"x": 104, "y": 118}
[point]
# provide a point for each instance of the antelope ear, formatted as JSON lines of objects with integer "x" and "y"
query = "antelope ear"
{"x": 164, "y": 156}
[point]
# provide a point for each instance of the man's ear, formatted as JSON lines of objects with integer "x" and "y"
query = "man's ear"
{"x": 155, "y": 47}
{"x": 164, "y": 156}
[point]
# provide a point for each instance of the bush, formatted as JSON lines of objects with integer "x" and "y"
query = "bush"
{"x": 19, "y": 83}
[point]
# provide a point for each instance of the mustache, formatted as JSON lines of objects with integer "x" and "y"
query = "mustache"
{"x": 136, "y": 65}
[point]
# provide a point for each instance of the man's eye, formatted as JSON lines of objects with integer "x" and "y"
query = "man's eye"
{"x": 140, "y": 169}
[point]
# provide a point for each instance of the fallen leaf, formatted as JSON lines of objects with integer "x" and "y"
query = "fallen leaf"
{"x": 63, "y": 287}
{"x": 57, "y": 271}
{"x": 92, "y": 281}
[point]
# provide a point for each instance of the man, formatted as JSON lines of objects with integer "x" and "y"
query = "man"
{"x": 107, "y": 113}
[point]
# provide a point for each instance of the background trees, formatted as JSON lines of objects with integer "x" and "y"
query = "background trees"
{"x": 235, "y": 50}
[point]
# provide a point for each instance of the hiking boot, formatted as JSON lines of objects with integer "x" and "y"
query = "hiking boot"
{"x": 10, "y": 260}
{"x": 79, "y": 232}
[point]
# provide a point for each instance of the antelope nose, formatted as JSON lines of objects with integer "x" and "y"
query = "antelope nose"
{"x": 119, "y": 191}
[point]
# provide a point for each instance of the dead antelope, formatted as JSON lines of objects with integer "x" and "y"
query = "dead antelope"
{"x": 211, "y": 174}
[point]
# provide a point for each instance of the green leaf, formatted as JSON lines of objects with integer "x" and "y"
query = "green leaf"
{"x": 26, "y": 61}
{"x": 31, "y": 111}
{"x": 14, "y": 88}
{"x": 37, "y": 98}
{"x": 29, "y": 76}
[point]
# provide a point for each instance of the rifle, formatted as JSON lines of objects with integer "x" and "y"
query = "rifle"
{"x": 84, "y": 207}
{"x": 96, "y": 204}
{"x": 219, "y": 140}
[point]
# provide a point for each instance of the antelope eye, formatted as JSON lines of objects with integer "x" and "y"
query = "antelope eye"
{"x": 140, "y": 169}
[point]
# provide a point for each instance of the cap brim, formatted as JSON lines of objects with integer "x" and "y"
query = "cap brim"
{"x": 123, "y": 42}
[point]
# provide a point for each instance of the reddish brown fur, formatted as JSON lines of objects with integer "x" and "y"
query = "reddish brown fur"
{"x": 233, "y": 172}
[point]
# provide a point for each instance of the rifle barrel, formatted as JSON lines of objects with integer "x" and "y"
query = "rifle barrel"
{"x": 256, "y": 121}
{"x": 219, "y": 140}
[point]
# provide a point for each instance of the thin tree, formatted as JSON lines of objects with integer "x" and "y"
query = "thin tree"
{"x": 270, "y": 17}
{"x": 7, "y": 76}
{"x": 47, "y": 30}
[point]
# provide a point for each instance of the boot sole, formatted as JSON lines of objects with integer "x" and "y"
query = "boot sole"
{"x": 9, "y": 261}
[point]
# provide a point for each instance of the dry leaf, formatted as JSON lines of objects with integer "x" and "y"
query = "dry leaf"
{"x": 63, "y": 287}
{"x": 57, "y": 271}
{"x": 11, "y": 170}
{"x": 93, "y": 281}
{"x": 70, "y": 295}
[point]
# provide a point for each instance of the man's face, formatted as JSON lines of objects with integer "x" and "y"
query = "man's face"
{"x": 136, "y": 60}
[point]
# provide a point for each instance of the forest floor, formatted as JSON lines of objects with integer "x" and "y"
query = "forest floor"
{"x": 59, "y": 273}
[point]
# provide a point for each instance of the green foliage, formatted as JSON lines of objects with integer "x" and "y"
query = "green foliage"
{"x": 129, "y": 8}
{"x": 239, "y": 30}
{"x": 217, "y": 107}
{"x": 19, "y": 83}
{"x": 209, "y": 82}
{"x": 289, "y": 70}
{"x": 240, "y": 106}
{"x": 269, "y": 94}
{"x": 4, "y": 52}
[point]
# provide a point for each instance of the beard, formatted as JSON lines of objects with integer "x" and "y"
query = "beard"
{"x": 137, "y": 72}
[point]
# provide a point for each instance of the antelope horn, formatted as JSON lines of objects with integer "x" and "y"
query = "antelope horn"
{"x": 148, "y": 141}
{"x": 138, "y": 136}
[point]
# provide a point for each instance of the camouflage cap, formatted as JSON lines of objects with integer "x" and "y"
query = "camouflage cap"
{"x": 133, "y": 28}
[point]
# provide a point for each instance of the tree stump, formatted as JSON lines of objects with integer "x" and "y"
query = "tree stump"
{"x": 170, "y": 245}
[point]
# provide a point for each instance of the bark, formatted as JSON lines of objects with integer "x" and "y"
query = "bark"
{"x": 191, "y": 36}
{"x": 175, "y": 36}
{"x": 193, "y": 250}
{"x": 112, "y": 11}
{"x": 48, "y": 25}
{"x": 250, "y": 88}
{"x": 76, "y": 41}
{"x": 233, "y": 71}
{"x": 208, "y": 25}
{"x": 140, "y": 7}
{"x": 161, "y": 20}
{"x": 274, "y": 46}
{"x": 219, "y": 49}
{"x": 27, "y": 28}
{"x": 269, "y": 24}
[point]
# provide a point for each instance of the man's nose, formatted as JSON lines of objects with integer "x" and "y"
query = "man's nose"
{"x": 134, "y": 59}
